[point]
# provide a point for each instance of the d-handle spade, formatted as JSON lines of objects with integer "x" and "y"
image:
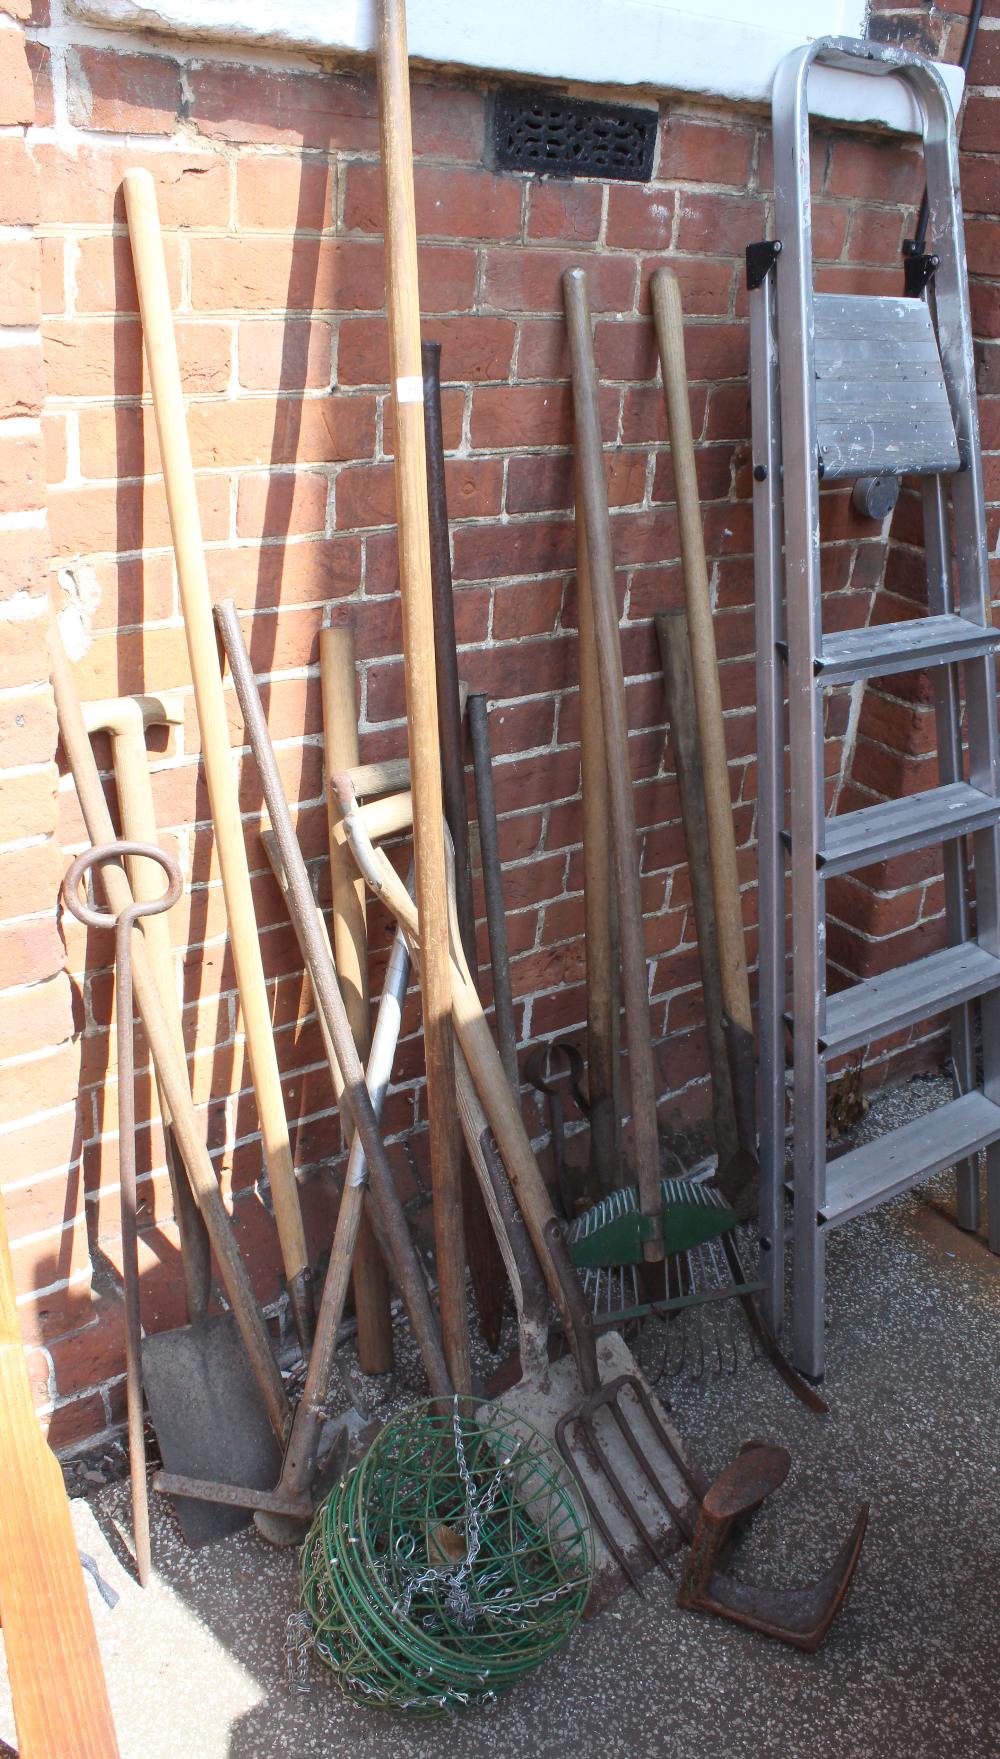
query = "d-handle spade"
{"x": 123, "y": 925}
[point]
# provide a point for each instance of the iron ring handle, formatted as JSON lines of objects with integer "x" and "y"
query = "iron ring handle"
{"x": 92, "y": 858}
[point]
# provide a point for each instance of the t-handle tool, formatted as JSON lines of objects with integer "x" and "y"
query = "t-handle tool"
{"x": 123, "y": 924}
{"x": 125, "y": 719}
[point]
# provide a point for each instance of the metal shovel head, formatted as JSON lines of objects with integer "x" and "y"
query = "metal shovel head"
{"x": 209, "y": 1419}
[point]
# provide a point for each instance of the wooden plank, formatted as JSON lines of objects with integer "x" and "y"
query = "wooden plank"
{"x": 61, "y": 1707}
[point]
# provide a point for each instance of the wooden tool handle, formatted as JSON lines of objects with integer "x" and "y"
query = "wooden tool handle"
{"x": 350, "y": 948}
{"x": 603, "y": 1072}
{"x": 675, "y": 657}
{"x": 600, "y": 576}
{"x": 669, "y": 319}
{"x": 171, "y": 1071}
{"x": 196, "y": 605}
{"x": 403, "y": 301}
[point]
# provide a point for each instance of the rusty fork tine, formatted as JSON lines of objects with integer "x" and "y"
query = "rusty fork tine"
{"x": 631, "y": 1441}
{"x": 596, "y": 1512}
{"x": 628, "y": 1508}
{"x": 635, "y": 1386}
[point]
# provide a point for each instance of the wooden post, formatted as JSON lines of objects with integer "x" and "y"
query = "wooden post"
{"x": 421, "y": 698}
{"x": 350, "y": 947}
{"x": 60, "y": 1699}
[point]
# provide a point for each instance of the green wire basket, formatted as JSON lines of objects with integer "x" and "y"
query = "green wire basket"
{"x": 449, "y": 1563}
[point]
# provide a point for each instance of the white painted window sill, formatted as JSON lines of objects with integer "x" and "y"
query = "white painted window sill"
{"x": 720, "y": 48}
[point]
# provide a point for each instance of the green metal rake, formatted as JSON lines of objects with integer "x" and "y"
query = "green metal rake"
{"x": 702, "y": 1276}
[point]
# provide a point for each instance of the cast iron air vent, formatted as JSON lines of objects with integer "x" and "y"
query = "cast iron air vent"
{"x": 571, "y": 137}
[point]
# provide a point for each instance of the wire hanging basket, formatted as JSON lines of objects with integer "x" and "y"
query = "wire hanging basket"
{"x": 452, "y": 1560}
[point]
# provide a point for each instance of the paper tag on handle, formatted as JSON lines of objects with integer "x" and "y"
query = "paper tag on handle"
{"x": 410, "y": 389}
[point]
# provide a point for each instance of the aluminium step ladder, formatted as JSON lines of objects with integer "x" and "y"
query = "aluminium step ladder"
{"x": 847, "y": 387}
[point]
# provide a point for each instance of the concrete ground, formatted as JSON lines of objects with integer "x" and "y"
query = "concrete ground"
{"x": 196, "y": 1664}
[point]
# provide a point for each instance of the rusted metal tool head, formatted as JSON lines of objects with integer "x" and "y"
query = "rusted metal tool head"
{"x": 627, "y": 1458}
{"x": 799, "y": 1616}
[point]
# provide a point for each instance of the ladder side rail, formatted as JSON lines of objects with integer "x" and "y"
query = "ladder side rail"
{"x": 800, "y": 495}
{"x": 766, "y": 451}
{"x": 947, "y": 719}
{"x": 954, "y": 327}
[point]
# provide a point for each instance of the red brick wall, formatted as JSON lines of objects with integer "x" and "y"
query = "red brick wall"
{"x": 269, "y": 194}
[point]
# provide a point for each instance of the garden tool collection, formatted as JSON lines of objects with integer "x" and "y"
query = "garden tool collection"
{"x": 645, "y": 1452}
{"x": 634, "y": 1256}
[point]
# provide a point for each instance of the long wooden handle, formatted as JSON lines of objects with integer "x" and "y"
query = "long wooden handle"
{"x": 499, "y": 1104}
{"x": 315, "y": 949}
{"x": 490, "y": 868}
{"x": 403, "y": 302}
{"x": 675, "y": 657}
{"x": 60, "y": 1699}
{"x": 600, "y": 577}
{"x": 603, "y": 1080}
{"x": 172, "y": 1072}
{"x": 350, "y": 948}
{"x": 669, "y": 317}
{"x": 196, "y": 605}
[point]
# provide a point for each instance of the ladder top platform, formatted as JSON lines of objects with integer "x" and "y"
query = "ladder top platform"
{"x": 881, "y": 402}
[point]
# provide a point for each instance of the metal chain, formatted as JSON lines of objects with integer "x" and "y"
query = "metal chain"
{"x": 465, "y": 1607}
{"x": 298, "y": 1644}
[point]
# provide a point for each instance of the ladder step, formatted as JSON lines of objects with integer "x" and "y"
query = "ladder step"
{"x": 892, "y": 1163}
{"x": 892, "y": 827}
{"x": 910, "y": 992}
{"x": 902, "y": 647}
